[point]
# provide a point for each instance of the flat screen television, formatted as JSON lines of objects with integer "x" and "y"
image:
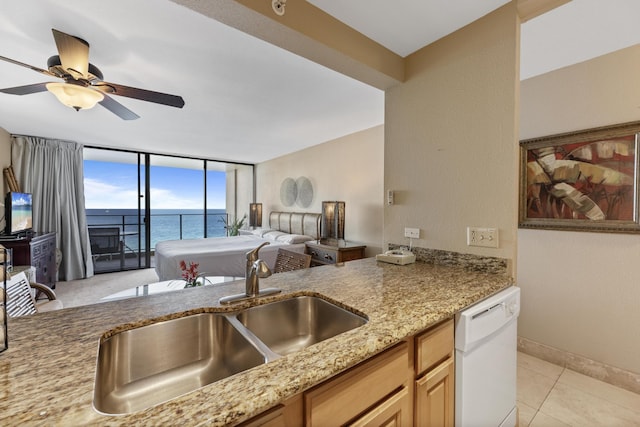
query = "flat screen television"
{"x": 18, "y": 213}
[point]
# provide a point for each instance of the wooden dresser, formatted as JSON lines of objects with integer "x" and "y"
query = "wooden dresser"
{"x": 322, "y": 254}
{"x": 39, "y": 251}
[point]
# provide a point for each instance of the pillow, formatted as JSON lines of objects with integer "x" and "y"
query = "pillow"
{"x": 260, "y": 231}
{"x": 294, "y": 238}
{"x": 273, "y": 234}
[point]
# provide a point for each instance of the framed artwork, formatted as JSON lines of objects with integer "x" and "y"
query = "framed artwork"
{"x": 581, "y": 181}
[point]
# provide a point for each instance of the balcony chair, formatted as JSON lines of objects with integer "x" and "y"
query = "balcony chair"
{"x": 289, "y": 261}
{"x": 21, "y": 300}
{"x": 106, "y": 241}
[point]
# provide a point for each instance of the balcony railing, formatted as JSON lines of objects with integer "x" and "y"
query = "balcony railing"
{"x": 164, "y": 226}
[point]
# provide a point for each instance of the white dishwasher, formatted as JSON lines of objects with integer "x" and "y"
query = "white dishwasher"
{"x": 486, "y": 352}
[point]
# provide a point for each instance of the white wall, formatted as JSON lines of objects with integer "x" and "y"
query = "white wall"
{"x": 348, "y": 169}
{"x": 451, "y": 137}
{"x": 581, "y": 291}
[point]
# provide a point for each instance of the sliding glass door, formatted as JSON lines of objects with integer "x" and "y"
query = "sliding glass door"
{"x": 114, "y": 183}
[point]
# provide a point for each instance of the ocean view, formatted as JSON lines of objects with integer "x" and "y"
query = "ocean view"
{"x": 166, "y": 224}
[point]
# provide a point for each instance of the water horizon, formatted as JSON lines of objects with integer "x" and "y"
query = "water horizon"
{"x": 166, "y": 224}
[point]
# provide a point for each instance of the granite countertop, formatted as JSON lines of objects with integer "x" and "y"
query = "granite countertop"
{"x": 47, "y": 374}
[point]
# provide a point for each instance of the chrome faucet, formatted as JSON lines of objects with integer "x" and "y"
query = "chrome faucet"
{"x": 255, "y": 270}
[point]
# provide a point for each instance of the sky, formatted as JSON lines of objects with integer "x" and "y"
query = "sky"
{"x": 110, "y": 185}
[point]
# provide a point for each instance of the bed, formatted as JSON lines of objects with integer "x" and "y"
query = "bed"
{"x": 226, "y": 256}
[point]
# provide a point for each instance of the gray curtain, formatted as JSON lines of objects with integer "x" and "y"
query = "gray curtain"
{"x": 52, "y": 170}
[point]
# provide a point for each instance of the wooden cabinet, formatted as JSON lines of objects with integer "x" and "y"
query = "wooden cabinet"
{"x": 39, "y": 251}
{"x": 361, "y": 395}
{"x": 435, "y": 369}
{"x": 410, "y": 384}
{"x": 287, "y": 414}
{"x": 322, "y": 254}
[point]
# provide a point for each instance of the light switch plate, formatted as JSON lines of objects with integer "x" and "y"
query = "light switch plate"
{"x": 483, "y": 237}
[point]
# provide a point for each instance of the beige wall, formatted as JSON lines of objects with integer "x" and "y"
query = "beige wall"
{"x": 581, "y": 291}
{"x": 5, "y": 161}
{"x": 348, "y": 168}
{"x": 451, "y": 139}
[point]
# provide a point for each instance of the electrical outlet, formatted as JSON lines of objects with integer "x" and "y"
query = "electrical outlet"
{"x": 413, "y": 233}
{"x": 484, "y": 237}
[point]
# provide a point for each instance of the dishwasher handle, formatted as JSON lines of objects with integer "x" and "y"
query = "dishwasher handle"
{"x": 482, "y": 320}
{"x": 488, "y": 311}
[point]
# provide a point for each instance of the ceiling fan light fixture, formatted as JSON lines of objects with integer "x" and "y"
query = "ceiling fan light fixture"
{"x": 75, "y": 96}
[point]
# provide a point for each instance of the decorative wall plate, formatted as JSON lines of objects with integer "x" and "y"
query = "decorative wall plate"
{"x": 288, "y": 192}
{"x": 305, "y": 192}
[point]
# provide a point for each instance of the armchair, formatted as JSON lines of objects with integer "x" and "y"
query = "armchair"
{"x": 21, "y": 299}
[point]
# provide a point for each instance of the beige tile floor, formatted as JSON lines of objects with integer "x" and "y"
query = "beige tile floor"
{"x": 552, "y": 396}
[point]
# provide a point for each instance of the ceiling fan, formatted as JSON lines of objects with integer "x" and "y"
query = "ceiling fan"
{"x": 83, "y": 84}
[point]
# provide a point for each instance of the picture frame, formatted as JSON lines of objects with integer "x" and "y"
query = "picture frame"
{"x": 581, "y": 181}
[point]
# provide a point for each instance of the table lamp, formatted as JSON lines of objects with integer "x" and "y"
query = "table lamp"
{"x": 332, "y": 227}
{"x": 255, "y": 214}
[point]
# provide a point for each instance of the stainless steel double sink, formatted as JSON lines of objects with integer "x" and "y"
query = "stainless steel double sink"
{"x": 145, "y": 366}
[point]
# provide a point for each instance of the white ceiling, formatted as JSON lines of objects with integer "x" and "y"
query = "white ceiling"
{"x": 575, "y": 32}
{"x": 404, "y": 26}
{"x": 247, "y": 100}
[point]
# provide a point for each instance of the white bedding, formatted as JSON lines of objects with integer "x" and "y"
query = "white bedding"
{"x": 226, "y": 256}
{"x": 217, "y": 256}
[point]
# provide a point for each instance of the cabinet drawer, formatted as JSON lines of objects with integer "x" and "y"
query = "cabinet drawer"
{"x": 271, "y": 418}
{"x": 287, "y": 414}
{"x": 36, "y": 251}
{"x": 323, "y": 256}
{"x": 395, "y": 411}
{"x": 434, "y": 346}
{"x": 342, "y": 399}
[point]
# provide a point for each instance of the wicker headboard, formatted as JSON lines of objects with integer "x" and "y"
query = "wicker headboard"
{"x": 296, "y": 223}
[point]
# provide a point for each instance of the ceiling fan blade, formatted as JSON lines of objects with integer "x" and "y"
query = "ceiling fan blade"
{"x": 25, "y": 90}
{"x": 118, "y": 109}
{"x": 142, "y": 94}
{"x": 74, "y": 53}
{"x": 22, "y": 64}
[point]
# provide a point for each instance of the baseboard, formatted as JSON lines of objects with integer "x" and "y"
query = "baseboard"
{"x": 610, "y": 374}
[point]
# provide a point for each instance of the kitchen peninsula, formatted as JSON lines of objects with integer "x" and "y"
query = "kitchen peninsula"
{"x": 47, "y": 375}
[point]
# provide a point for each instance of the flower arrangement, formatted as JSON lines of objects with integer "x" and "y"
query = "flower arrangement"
{"x": 190, "y": 274}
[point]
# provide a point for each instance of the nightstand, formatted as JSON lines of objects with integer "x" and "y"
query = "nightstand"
{"x": 322, "y": 254}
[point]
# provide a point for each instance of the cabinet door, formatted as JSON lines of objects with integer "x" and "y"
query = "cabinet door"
{"x": 435, "y": 396}
{"x": 393, "y": 412}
